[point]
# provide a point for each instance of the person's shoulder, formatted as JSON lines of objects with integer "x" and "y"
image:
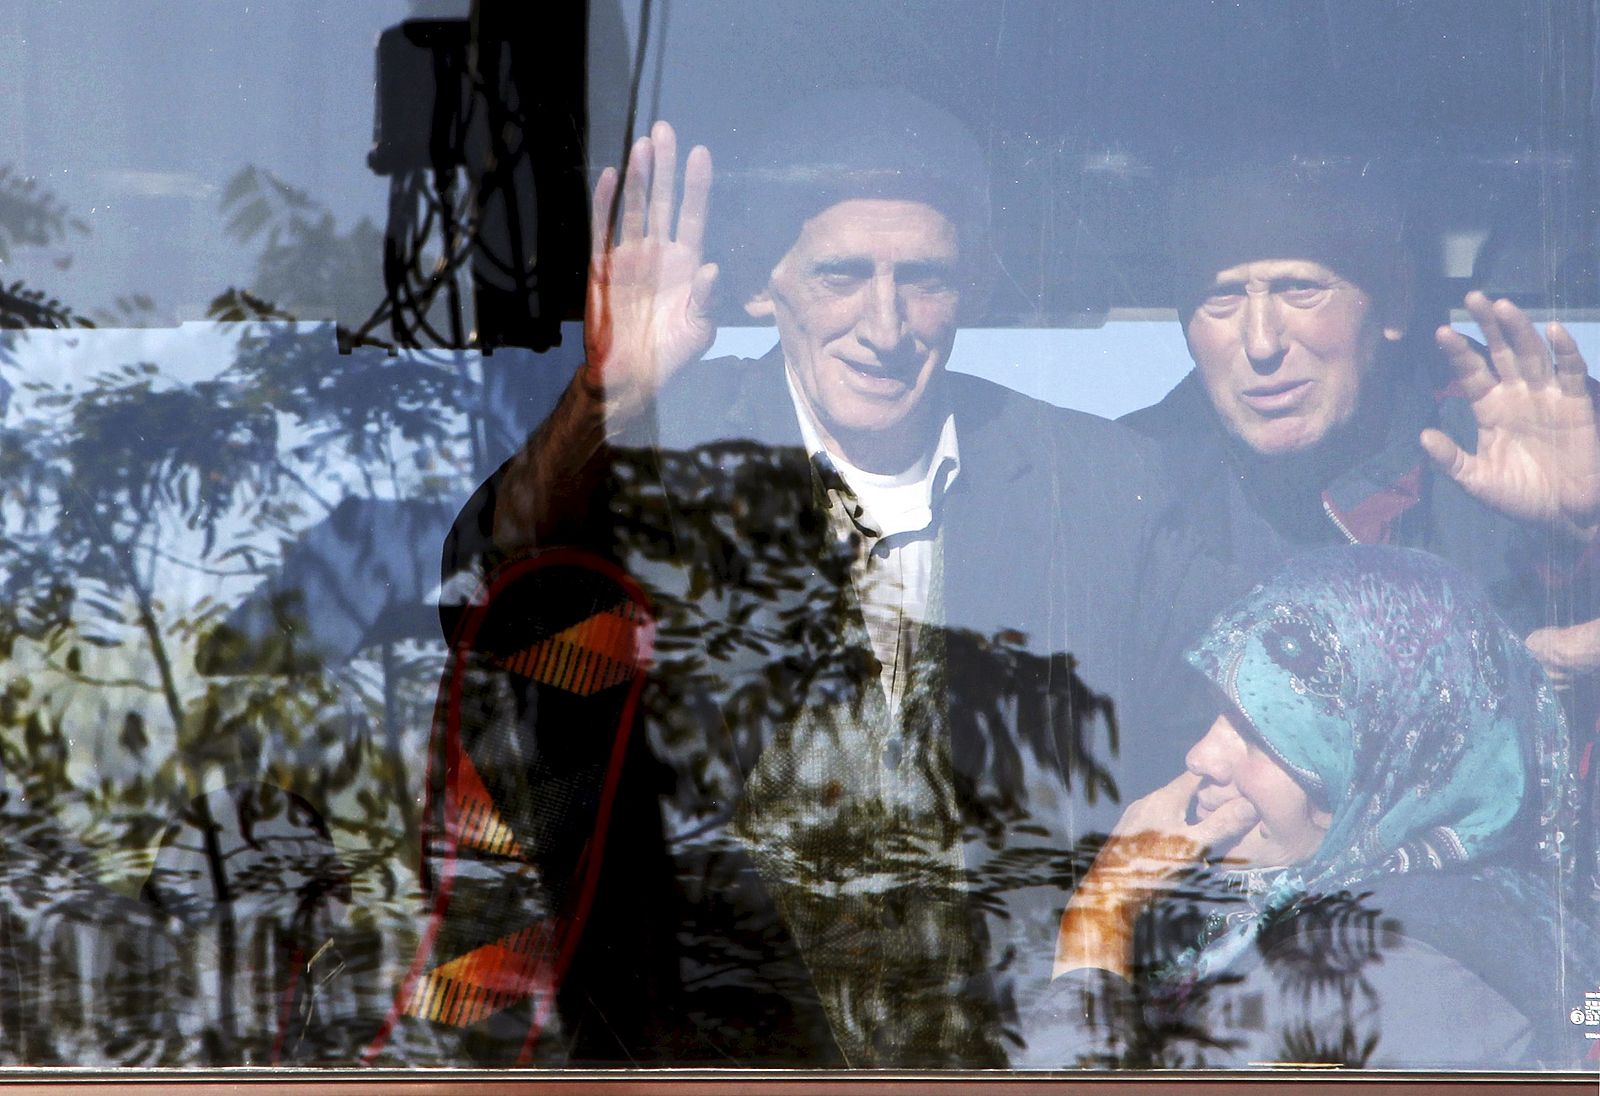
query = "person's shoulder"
{"x": 725, "y": 374}
{"x": 1403, "y": 979}
{"x": 984, "y": 408}
{"x": 1181, "y": 411}
{"x": 1092, "y": 467}
{"x": 725, "y": 399}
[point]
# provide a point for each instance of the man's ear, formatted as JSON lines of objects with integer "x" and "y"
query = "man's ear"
{"x": 760, "y": 306}
{"x": 1395, "y": 319}
{"x": 1396, "y": 315}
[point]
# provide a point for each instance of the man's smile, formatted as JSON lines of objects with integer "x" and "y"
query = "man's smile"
{"x": 878, "y": 378}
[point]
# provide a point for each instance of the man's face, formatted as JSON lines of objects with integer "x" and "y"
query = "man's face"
{"x": 865, "y": 304}
{"x": 1284, "y": 347}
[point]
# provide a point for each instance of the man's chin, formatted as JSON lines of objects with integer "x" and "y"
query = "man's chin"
{"x": 882, "y": 439}
{"x": 1287, "y": 437}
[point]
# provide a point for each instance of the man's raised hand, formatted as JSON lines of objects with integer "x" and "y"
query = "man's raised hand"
{"x": 647, "y": 316}
{"x": 648, "y": 308}
{"x": 1538, "y": 451}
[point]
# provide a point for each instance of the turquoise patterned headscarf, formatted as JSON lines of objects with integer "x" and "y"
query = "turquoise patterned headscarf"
{"x": 1382, "y": 679}
{"x": 1388, "y": 685}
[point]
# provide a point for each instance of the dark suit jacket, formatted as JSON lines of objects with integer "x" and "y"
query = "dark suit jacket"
{"x": 1389, "y": 494}
{"x": 1062, "y": 593}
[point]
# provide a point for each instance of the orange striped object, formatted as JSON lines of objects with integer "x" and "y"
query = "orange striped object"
{"x": 478, "y": 823}
{"x": 482, "y": 982}
{"x": 593, "y": 654}
{"x": 512, "y": 981}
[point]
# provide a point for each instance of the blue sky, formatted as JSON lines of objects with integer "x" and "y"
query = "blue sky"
{"x": 136, "y": 114}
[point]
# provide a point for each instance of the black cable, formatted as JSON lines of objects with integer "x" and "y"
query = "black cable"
{"x": 639, "y": 54}
{"x": 661, "y": 58}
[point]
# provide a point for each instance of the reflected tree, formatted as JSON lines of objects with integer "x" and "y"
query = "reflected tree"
{"x": 757, "y": 643}
{"x": 32, "y": 217}
{"x": 140, "y": 504}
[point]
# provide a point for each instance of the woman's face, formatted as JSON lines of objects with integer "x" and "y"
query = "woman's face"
{"x": 1233, "y": 765}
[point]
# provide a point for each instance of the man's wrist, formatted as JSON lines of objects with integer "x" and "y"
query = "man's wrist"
{"x": 588, "y": 382}
{"x": 619, "y": 405}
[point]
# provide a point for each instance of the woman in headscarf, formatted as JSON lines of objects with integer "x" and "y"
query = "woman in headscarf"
{"x": 1385, "y": 784}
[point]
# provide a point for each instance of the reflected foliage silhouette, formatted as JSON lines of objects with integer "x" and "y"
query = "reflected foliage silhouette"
{"x": 142, "y": 503}
{"x": 760, "y": 655}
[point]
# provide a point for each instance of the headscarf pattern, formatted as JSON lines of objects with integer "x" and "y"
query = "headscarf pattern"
{"x": 1383, "y": 680}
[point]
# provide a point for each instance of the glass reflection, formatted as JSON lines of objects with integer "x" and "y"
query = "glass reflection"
{"x": 782, "y": 700}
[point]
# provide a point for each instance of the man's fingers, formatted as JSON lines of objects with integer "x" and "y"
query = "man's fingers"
{"x": 696, "y": 199}
{"x": 633, "y": 189}
{"x": 1572, "y": 372}
{"x": 663, "y": 180}
{"x": 600, "y": 218}
{"x": 1471, "y": 368}
{"x": 1450, "y": 457}
{"x": 1482, "y": 311}
{"x": 1531, "y": 355}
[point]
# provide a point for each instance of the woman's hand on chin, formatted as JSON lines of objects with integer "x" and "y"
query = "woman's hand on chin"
{"x": 1154, "y": 841}
{"x": 1151, "y": 845}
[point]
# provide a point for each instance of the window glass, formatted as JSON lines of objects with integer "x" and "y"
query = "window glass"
{"x": 857, "y": 535}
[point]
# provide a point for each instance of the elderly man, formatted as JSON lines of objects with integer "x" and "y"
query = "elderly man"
{"x": 1310, "y": 419}
{"x": 899, "y": 610}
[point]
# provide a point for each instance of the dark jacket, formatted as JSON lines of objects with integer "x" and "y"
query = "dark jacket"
{"x": 1388, "y": 493}
{"x": 1061, "y": 580}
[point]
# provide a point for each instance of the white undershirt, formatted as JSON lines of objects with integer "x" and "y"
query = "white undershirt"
{"x": 894, "y": 588}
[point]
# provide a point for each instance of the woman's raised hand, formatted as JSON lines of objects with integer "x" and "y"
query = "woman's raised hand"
{"x": 1153, "y": 841}
{"x": 1151, "y": 845}
{"x": 648, "y": 309}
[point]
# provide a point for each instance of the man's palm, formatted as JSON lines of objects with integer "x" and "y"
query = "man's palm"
{"x": 649, "y": 290}
{"x": 1538, "y": 450}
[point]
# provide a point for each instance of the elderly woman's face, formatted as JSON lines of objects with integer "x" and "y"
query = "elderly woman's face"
{"x": 1232, "y": 765}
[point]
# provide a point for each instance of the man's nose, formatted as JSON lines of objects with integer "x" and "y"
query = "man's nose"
{"x": 1263, "y": 331}
{"x": 882, "y": 325}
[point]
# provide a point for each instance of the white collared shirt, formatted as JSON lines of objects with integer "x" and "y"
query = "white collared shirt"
{"x": 902, "y": 509}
